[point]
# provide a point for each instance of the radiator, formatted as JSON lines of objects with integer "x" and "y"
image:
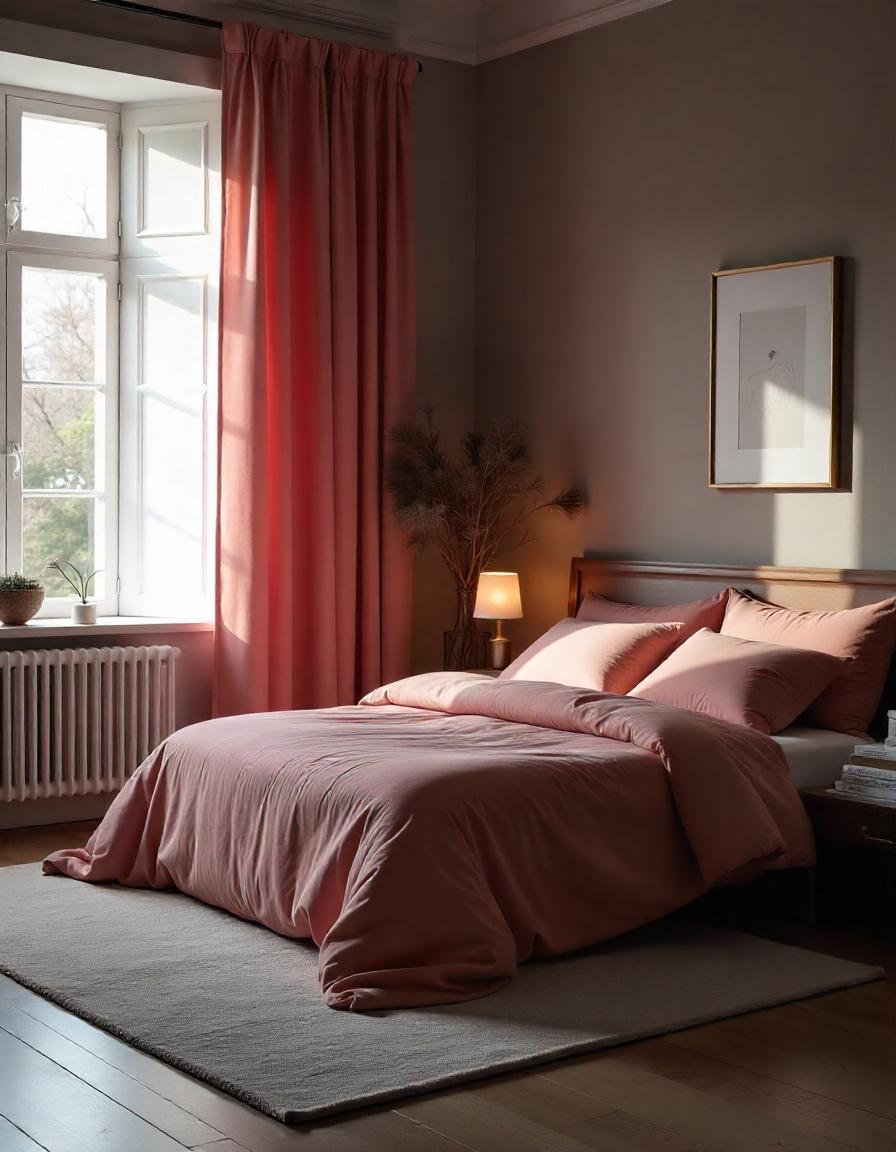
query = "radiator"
{"x": 79, "y": 720}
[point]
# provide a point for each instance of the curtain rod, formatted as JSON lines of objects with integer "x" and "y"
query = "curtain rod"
{"x": 163, "y": 13}
{"x": 168, "y": 14}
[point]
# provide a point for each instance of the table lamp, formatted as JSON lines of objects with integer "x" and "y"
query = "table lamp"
{"x": 498, "y": 599}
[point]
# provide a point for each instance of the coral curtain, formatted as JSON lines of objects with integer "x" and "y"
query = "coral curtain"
{"x": 317, "y": 361}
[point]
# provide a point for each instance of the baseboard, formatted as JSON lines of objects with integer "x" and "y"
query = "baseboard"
{"x": 58, "y": 810}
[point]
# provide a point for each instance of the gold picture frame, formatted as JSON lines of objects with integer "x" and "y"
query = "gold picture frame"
{"x": 806, "y": 295}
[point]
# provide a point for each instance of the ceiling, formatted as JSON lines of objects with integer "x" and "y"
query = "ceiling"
{"x": 469, "y": 31}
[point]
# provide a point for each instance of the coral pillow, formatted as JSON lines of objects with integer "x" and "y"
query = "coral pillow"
{"x": 695, "y": 615}
{"x": 604, "y": 657}
{"x": 762, "y": 686}
{"x": 865, "y": 637}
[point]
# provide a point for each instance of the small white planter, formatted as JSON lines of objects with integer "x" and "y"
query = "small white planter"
{"x": 83, "y": 613}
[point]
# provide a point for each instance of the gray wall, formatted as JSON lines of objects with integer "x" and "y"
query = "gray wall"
{"x": 445, "y": 143}
{"x": 616, "y": 170}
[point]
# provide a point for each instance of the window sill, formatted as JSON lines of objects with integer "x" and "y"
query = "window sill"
{"x": 51, "y": 626}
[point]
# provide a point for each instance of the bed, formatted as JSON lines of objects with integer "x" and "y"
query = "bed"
{"x": 814, "y": 756}
{"x": 451, "y": 827}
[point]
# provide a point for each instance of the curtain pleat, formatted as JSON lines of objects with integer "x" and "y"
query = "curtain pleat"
{"x": 317, "y": 333}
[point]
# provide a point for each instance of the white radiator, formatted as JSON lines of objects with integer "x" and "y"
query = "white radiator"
{"x": 80, "y": 720}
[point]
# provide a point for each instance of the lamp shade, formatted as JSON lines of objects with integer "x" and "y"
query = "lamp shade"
{"x": 498, "y": 596}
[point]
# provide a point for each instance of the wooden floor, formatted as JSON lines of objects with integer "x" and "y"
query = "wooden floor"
{"x": 817, "y": 1075}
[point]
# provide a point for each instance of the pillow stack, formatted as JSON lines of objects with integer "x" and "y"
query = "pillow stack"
{"x": 730, "y": 656}
{"x": 610, "y": 646}
{"x": 863, "y": 638}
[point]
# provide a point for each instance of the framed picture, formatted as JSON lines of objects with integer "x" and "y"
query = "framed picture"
{"x": 774, "y": 386}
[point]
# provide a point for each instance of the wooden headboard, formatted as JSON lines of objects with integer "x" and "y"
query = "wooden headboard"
{"x": 649, "y": 582}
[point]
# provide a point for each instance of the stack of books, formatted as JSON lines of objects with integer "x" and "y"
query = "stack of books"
{"x": 870, "y": 774}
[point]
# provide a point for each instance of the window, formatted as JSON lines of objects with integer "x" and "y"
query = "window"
{"x": 111, "y": 249}
{"x": 62, "y": 372}
{"x": 62, "y": 176}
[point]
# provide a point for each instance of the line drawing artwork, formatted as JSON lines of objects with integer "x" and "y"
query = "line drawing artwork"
{"x": 772, "y": 383}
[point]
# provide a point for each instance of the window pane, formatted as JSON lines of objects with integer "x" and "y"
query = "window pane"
{"x": 59, "y": 427}
{"x": 61, "y": 526}
{"x": 174, "y": 335}
{"x": 172, "y": 459}
{"x": 63, "y": 176}
{"x": 63, "y": 326}
{"x": 173, "y": 164}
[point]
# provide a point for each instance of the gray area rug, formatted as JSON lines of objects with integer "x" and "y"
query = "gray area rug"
{"x": 239, "y": 1007}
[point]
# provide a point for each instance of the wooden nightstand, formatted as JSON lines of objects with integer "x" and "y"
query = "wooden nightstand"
{"x": 856, "y": 843}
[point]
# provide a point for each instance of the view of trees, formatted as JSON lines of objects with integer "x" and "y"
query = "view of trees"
{"x": 59, "y": 419}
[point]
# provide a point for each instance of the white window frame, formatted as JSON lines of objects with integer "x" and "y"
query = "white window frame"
{"x": 131, "y": 252}
{"x": 135, "y": 599}
{"x": 95, "y": 255}
{"x": 74, "y": 112}
{"x": 106, "y": 497}
{"x": 147, "y": 254}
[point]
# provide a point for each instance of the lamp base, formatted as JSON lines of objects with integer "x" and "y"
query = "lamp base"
{"x": 499, "y": 653}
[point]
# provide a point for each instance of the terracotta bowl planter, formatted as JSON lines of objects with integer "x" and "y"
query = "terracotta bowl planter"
{"x": 18, "y": 605}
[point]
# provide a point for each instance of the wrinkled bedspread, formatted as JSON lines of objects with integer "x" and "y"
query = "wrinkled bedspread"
{"x": 449, "y": 827}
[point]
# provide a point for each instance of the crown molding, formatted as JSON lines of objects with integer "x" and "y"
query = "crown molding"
{"x": 328, "y": 15}
{"x": 615, "y": 10}
{"x": 435, "y": 50}
{"x": 411, "y": 27}
{"x": 321, "y": 19}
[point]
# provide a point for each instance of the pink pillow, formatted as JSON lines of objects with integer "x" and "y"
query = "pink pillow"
{"x": 864, "y": 637}
{"x": 695, "y": 615}
{"x": 603, "y": 657}
{"x": 762, "y": 686}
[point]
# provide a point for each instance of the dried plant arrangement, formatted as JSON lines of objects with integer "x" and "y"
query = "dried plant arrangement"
{"x": 472, "y": 507}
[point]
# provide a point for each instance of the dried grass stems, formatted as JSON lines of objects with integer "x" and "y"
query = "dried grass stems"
{"x": 473, "y": 507}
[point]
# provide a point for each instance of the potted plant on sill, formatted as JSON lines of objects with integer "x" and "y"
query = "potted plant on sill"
{"x": 471, "y": 508}
{"x": 20, "y": 598}
{"x": 84, "y": 611}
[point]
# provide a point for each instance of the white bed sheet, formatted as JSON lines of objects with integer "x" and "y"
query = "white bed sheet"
{"x": 814, "y": 755}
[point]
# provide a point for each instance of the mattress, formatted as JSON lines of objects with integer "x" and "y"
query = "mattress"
{"x": 814, "y": 755}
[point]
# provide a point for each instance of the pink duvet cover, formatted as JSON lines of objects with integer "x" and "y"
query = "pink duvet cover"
{"x": 450, "y": 827}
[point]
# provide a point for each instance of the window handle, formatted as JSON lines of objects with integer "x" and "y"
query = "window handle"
{"x": 13, "y": 213}
{"x": 14, "y": 452}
